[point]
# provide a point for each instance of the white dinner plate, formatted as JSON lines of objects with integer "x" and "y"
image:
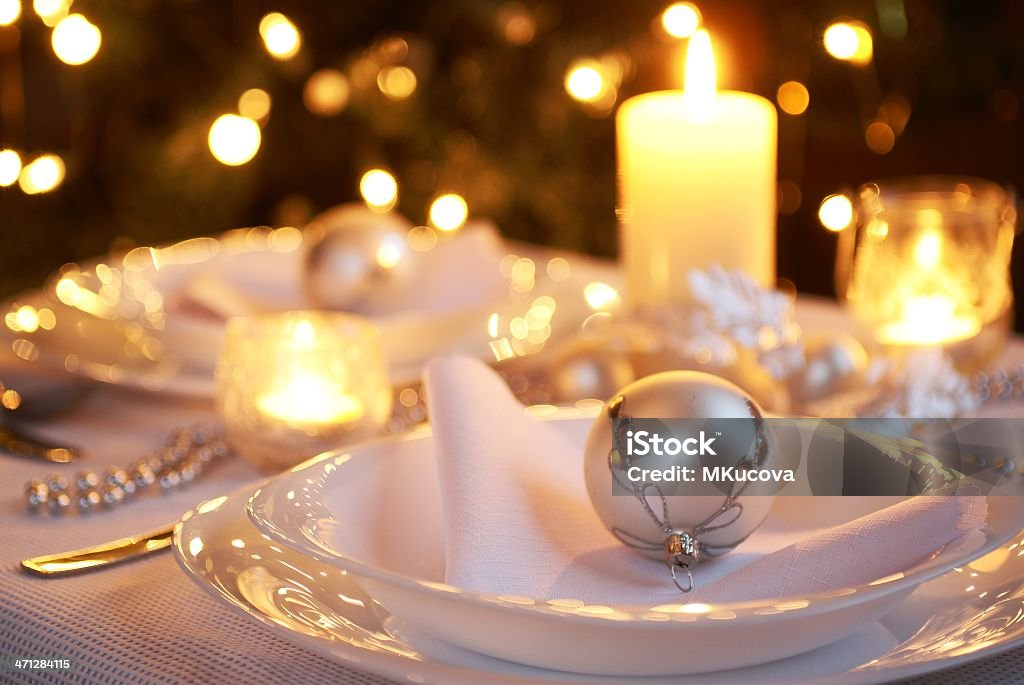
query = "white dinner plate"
{"x": 966, "y": 613}
{"x": 97, "y": 335}
{"x": 375, "y": 512}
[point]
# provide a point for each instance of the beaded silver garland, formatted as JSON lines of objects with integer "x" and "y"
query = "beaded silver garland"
{"x": 188, "y": 453}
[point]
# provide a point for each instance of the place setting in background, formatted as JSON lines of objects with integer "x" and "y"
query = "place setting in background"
{"x": 435, "y": 418}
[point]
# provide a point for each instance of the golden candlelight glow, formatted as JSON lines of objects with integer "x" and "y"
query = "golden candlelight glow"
{"x": 10, "y": 10}
{"x": 51, "y": 11}
{"x": 448, "y": 212}
{"x": 75, "y": 40}
{"x": 308, "y": 399}
{"x": 926, "y": 317}
{"x": 928, "y": 320}
{"x": 42, "y": 174}
{"x": 396, "y": 83}
{"x": 849, "y": 41}
{"x": 584, "y": 81}
{"x": 254, "y": 104}
{"x": 835, "y": 212}
{"x": 681, "y": 20}
{"x": 10, "y": 167}
{"x": 233, "y": 139}
{"x": 326, "y": 92}
{"x": 793, "y": 97}
{"x": 280, "y": 36}
{"x": 928, "y": 250}
{"x": 379, "y": 190}
{"x": 700, "y": 86}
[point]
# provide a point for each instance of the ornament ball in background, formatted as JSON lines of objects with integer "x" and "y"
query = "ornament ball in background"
{"x": 695, "y": 519}
{"x": 835, "y": 362}
{"x": 357, "y": 260}
{"x": 588, "y": 368}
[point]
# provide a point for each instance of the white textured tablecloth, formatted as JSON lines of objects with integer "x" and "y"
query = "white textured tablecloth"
{"x": 145, "y": 621}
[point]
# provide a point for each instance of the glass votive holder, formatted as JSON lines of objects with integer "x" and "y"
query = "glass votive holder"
{"x": 292, "y": 385}
{"x": 927, "y": 264}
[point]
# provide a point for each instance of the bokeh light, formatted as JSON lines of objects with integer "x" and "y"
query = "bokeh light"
{"x": 42, "y": 174}
{"x": 584, "y": 82}
{"x": 379, "y": 190}
{"x": 75, "y": 40}
{"x": 793, "y": 97}
{"x": 397, "y": 83}
{"x": 849, "y": 41}
{"x": 600, "y": 295}
{"x": 10, "y": 167}
{"x": 280, "y": 36}
{"x": 835, "y": 212}
{"x": 879, "y": 137}
{"x": 389, "y": 252}
{"x": 51, "y": 11}
{"x": 448, "y": 212}
{"x": 516, "y": 23}
{"x": 326, "y": 92}
{"x": 681, "y": 20}
{"x": 10, "y": 10}
{"x": 255, "y": 104}
{"x": 233, "y": 139}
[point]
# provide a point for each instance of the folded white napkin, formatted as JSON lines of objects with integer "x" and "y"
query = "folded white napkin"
{"x": 518, "y": 520}
{"x": 460, "y": 272}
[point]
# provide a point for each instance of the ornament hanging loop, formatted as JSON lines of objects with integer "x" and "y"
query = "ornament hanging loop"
{"x": 675, "y": 577}
{"x": 682, "y": 550}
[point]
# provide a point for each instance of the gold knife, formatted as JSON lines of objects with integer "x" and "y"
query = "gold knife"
{"x": 100, "y": 556}
{"x": 19, "y": 444}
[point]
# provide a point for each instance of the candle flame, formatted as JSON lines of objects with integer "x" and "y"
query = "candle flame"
{"x": 928, "y": 249}
{"x": 311, "y": 400}
{"x": 928, "y": 320}
{"x": 699, "y": 91}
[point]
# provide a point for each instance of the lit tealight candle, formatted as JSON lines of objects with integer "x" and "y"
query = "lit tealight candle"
{"x": 933, "y": 306}
{"x": 697, "y": 183}
{"x": 310, "y": 400}
{"x": 294, "y": 384}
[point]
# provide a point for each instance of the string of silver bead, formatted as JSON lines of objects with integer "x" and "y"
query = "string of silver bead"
{"x": 186, "y": 455}
{"x": 1000, "y": 384}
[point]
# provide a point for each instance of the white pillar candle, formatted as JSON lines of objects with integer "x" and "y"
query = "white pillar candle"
{"x": 696, "y": 183}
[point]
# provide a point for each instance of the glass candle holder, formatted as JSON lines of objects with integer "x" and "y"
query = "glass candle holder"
{"x": 295, "y": 384}
{"x": 927, "y": 263}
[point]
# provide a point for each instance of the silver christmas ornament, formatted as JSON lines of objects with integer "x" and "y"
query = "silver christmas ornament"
{"x": 357, "y": 260}
{"x": 587, "y": 368}
{"x": 685, "y": 521}
{"x": 835, "y": 362}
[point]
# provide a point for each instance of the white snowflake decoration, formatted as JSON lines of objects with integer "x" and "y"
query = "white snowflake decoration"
{"x": 924, "y": 385}
{"x": 731, "y": 306}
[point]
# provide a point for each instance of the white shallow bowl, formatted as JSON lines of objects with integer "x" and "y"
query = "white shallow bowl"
{"x": 962, "y": 615}
{"x": 375, "y": 512}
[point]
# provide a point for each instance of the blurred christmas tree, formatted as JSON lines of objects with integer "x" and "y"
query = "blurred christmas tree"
{"x": 507, "y": 104}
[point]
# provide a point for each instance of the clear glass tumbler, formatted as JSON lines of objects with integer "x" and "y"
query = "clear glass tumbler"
{"x": 292, "y": 385}
{"x": 927, "y": 261}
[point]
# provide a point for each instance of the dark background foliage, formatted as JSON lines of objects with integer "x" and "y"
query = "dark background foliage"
{"x": 490, "y": 119}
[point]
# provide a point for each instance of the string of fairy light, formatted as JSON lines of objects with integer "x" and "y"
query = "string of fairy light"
{"x": 235, "y": 137}
{"x": 75, "y": 40}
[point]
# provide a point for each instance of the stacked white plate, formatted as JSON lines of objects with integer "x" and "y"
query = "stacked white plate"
{"x": 344, "y": 555}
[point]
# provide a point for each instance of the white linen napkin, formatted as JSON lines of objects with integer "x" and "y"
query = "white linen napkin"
{"x": 460, "y": 272}
{"x": 518, "y": 520}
